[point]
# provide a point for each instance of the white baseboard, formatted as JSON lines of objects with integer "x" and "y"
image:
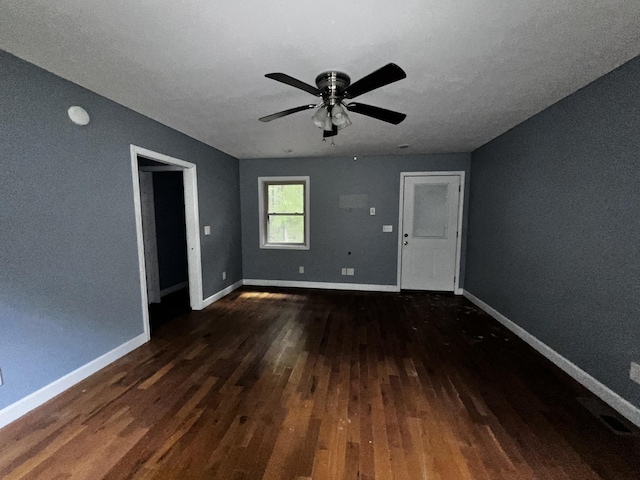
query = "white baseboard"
{"x": 362, "y": 287}
{"x": 174, "y": 288}
{"x": 37, "y": 398}
{"x": 222, "y": 293}
{"x": 30, "y": 402}
{"x": 625, "y": 408}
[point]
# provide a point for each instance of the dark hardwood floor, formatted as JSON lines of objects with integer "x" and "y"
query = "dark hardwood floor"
{"x": 293, "y": 384}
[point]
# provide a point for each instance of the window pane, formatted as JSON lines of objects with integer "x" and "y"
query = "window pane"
{"x": 285, "y": 229}
{"x": 286, "y": 198}
{"x": 284, "y": 221}
{"x": 430, "y": 211}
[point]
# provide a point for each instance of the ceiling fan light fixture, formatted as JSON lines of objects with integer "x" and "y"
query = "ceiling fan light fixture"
{"x": 339, "y": 117}
{"x": 346, "y": 123}
{"x": 320, "y": 117}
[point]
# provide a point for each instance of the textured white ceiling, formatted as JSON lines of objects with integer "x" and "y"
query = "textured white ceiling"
{"x": 475, "y": 68}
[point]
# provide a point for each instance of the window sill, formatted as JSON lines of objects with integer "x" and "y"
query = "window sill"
{"x": 283, "y": 246}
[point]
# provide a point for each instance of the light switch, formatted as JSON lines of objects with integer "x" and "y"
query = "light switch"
{"x": 372, "y": 211}
{"x": 207, "y": 230}
{"x": 387, "y": 228}
{"x": 344, "y": 271}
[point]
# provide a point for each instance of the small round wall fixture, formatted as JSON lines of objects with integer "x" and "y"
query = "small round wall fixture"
{"x": 78, "y": 115}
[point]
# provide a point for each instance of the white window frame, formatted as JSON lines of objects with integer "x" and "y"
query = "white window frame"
{"x": 263, "y": 217}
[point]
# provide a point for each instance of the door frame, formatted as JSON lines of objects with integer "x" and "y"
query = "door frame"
{"x": 192, "y": 221}
{"x": 461, "y": 173}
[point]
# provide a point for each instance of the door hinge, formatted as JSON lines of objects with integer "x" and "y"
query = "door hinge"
{"x": 459, "y": 188}
{"x": 457, "y": 234}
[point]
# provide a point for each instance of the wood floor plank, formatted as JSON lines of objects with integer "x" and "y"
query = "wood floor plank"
{"x": 308, "y": 384}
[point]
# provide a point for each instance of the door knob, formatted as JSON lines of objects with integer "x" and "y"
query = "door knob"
{"x": 405, "y": 243}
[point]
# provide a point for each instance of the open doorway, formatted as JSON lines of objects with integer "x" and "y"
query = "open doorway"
{"x": 167, "y": 226}
{"x": 165, "y": 240}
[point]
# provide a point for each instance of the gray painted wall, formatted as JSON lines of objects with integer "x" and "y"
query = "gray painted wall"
{"x": 69, "y": 280}
{"x": 171, "y": 234}
{"x": 554, "y": 229}
{"x": 334, "y": 231}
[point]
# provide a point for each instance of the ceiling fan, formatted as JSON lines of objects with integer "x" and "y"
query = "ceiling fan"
{"x": 336, "y": 87}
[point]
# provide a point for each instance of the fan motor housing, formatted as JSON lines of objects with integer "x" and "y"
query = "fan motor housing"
{"x": 332, "y": 85}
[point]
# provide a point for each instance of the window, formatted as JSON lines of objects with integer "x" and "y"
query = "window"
{"x": 284, "y": 212}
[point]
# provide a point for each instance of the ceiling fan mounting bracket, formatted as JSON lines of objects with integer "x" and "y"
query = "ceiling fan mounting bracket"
{"x": 332, "y": 85}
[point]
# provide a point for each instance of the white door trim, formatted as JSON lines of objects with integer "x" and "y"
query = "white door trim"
{"x": 403, "y": 175}
{"x": 192, "y": 221}
{"x": 168, "y": 168}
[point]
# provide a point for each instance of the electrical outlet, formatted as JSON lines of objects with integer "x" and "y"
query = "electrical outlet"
{"x": 372, "y": 211}
{"x": 224, "y": 275}
{"x": 207, "y": 229}
{"x": 344, "y": 271}
{"x": 301, "y": 269}
{"x": 634, "y": 372}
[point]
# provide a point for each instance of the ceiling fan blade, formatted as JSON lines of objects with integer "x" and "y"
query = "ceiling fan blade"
{"x": 284, "y": 113}
{"x": 294, "y": 82}
{"x": 383, "y": 76}
{"x": 376, "y": 112}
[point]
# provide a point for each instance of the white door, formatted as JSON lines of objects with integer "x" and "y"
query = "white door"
{"x": 429, "y": 233}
